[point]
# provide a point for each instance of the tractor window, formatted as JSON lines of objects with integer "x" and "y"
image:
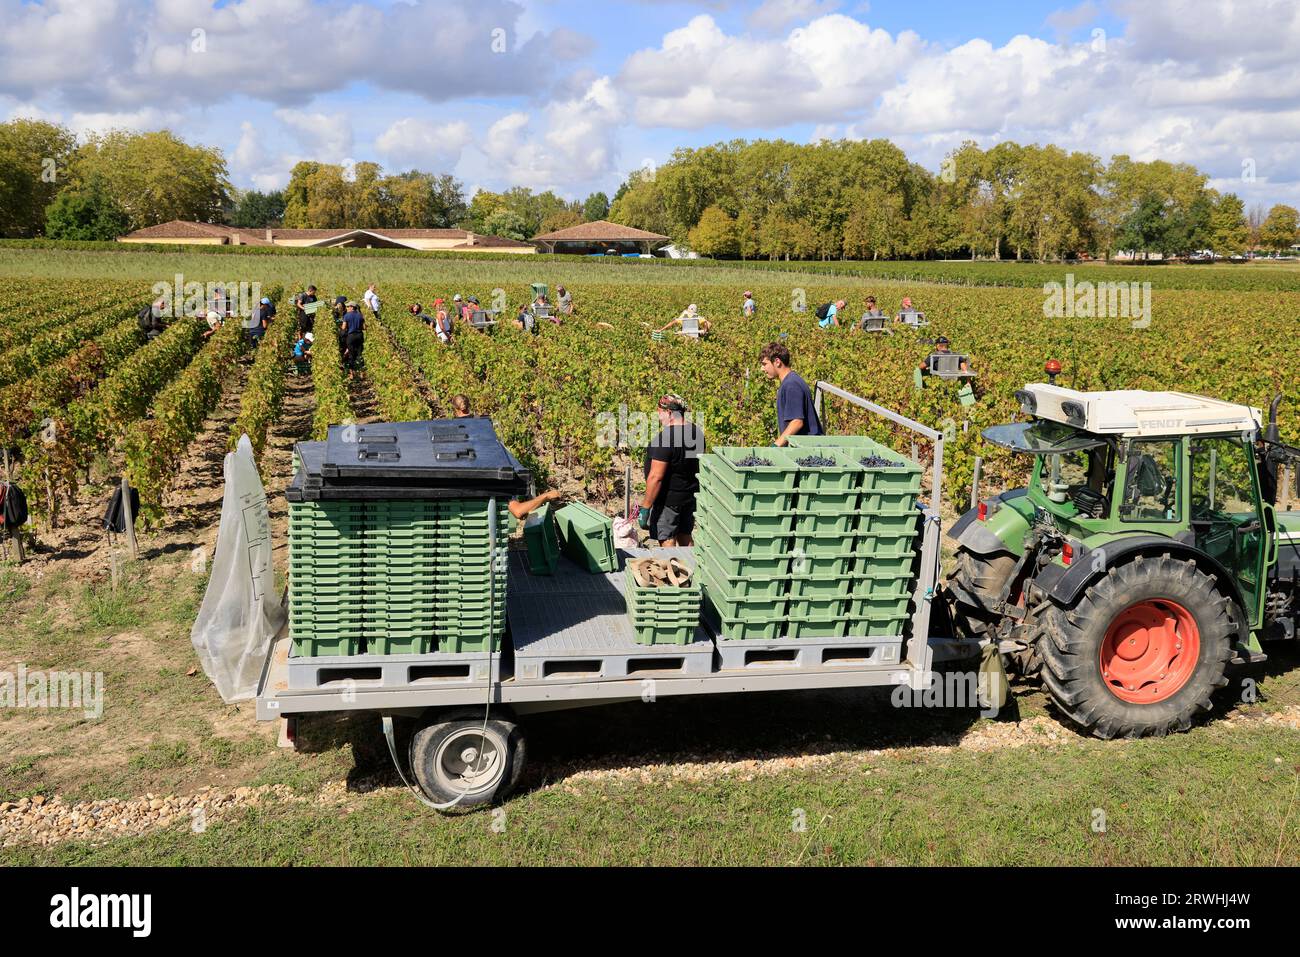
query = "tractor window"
{"x": 1080, "y": 476}
{"x": 1151, "y": 482}
{"x": 1222, "y": 486}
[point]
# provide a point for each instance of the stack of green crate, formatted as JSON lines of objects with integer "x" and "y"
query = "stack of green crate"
{"x": 824, "y": 517}
{"x": 542, "y": 542}
{"x": 327, "y": 577}
{"x": 882, "y": 546}
{"x": 667, "y": 615}
{"x": 743, "y": 528}
{"x": 396, "y": 576}
{"x": 471, "y": 606}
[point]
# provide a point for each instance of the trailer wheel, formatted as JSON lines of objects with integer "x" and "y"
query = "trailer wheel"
{"x": 455, "y": 758}
{"x": 1141, "y": 651}
{"x": 983, "y": 578}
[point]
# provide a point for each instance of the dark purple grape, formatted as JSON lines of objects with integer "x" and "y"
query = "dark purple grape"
{"x": 879, "y": 462}
{"x": 815, "y": 461}
{"x": 753, "y": 461}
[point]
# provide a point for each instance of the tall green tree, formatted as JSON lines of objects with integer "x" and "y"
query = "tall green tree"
{"x": 155, "y": 177}
{"x": 1229, "y": 234}
{"x": 1280, "y": 229}
{"x": 715, "y": 234}
{"x": 85, "y": 212}
{"x": 595, "y": 207}
{"x": 257, "y": 210}
{"x": 34, "y": 160}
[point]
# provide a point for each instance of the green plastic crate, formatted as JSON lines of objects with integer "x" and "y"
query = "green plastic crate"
{"x": 891, "y": 545}
{"x": 843, "y": 476}
{"x": 542, "y": 541}
{"x": 878, "y": 608}
{"x": 815, "y": 608}
{"x": 749, "y": 609}
{"x": 323, "y": 647}
{"x": 587, "y": 537}
{"x": 744, "y": 543}
{"x": 742, "y": 629}
{"x": 882, "y": 585}
{"x": 722, "y": 482}
{"x": 740, "y": 522}
{"x": 886, "y": 503}
{"x": 651, "y": 634}
{"x": 904, "y": 524}
{"x": 823, "y": 523}
{"x": 821, "y": 566}
{"x": 816, "y": 546}
{"x": 724, "y": 554}
{"x": 815, "y": 627}
{"x": 457, "y": 644}
{"x": 778, "y": 477}
{"x": 744, "y": 586}
{"x": 394, "y": 644}
{"x": 872, "y": 564}
{"x": 869, "y": 628}
{"x": 820, "y": 586}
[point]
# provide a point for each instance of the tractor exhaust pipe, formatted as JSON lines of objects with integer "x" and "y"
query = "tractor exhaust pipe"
{"x": 1271, "y": 433}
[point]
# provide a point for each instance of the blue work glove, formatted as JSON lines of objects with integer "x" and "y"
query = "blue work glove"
{"x": 643, "y": 517}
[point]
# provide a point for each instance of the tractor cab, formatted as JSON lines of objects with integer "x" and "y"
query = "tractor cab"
{"x": 1113, "y": 468}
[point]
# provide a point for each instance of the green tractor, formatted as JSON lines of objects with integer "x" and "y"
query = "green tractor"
{"x": 1142, "y": 560}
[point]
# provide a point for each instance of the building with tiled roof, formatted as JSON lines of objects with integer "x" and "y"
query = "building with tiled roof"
{"x": 601, "y": 236}
{"x": 189, "y": 233}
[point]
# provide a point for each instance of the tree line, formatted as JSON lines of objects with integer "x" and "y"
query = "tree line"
{"x": 767, "y": 199}
{"x": 774, "y": 199}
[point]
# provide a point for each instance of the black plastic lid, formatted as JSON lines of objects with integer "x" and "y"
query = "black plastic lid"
{"x": 440, "y": 450}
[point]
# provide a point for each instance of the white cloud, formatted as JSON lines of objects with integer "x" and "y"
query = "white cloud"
{"x": 328, "y": 137}
{"x": 778, "y": 14}
{"x": 420, "y": 144}
{"x": 819, "y": 72}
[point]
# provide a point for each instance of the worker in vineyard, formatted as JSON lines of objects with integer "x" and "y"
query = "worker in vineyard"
{"x": 215, "y": 322}
{"x": 306, "y": 320}
{"x": 441, "y": 321}
{"x": 354, "y": 338}
{"x": 372, "y": 299}
{"x": 525, "y": 321}
{"x": 795, "y": 412}
{"x": 268, "y": 308}
{"x": 302, "y": 353}
{"x": 942, "y": 347}
{"x": 906, "y": 307}
{"x": 564, "y": 303}
{"x": 460, "y": 406}
{"x": 522, "y": 509}
{"x": 828, "y": 314}
{"x": 672, "y": 468}
{"x": 151, "y": 319}
{"x": 748, "y": 308}
{"x": 417, "y": 312}
{"x": 690, "y": 317}
{"x": 255, "y": 325}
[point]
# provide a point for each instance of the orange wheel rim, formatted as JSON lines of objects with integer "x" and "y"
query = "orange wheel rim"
{"x": 1150, "y": 650}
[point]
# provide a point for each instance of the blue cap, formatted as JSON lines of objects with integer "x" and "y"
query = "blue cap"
{"x": 265, "y": 301}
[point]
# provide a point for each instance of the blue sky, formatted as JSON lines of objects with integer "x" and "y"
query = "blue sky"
{"x": 573, "y": 95}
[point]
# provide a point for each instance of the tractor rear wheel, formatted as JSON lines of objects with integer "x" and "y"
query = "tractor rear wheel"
{"x": 1141, "y": 651}
{"x": 983, "y": 577}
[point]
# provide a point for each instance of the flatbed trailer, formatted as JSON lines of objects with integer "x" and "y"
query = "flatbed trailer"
{"x": 570, "y": 645}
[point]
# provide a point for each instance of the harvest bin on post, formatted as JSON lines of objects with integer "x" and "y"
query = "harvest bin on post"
{"x": 804, "y": 577}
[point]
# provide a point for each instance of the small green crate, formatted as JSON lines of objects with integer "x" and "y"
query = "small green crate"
{"x": 743, "y": 585}
{"x": 828, "y": 523}
{"x": 822, "y": 566}
{"x": 724, "y": 555}
{"x": 818, "y": 546}
{"x": 742, "y": 629}
{"x": 820, "y": 586}
{"x": 542, "y": 542}
{"x": 721, "y": 482}
{"x": 868, "y": 564}
{"x": 884, "y": 546}
{"x": 815, "y": 627}
{"x": 749, "y": 609}
{"x": 810, "y": 608}
{"x": 651, "y": 634}
{"x": 587, "y": 537}
{"x": 828, "y": 503}
{"x": 748, "y": 543}
{"x": 877, "y": 608}
{"x": 325, "y": 647}
{"x": 870, "y": 628}
{"x": 843, "y": 476}
{"x": 779, "y": 476}
{"x": 882, "y": 585}
{"x": 395, "y": 644}
{"x": 906, "y": 479}
{"x": 886, "y": 503}
{"x": 457, "y": 644}
{"x": 741, "y": 522}
{"x": 904, "y": 524}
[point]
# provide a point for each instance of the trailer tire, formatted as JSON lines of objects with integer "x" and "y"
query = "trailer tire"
{"x": 983, "y": 577}
{"x": 1141, "y": 651}
{"x": 456, "y": 756}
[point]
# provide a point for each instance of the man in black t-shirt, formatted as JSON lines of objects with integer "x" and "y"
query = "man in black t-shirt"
{"x": 672, "y": 467}
{"x": 306, "y": 320}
